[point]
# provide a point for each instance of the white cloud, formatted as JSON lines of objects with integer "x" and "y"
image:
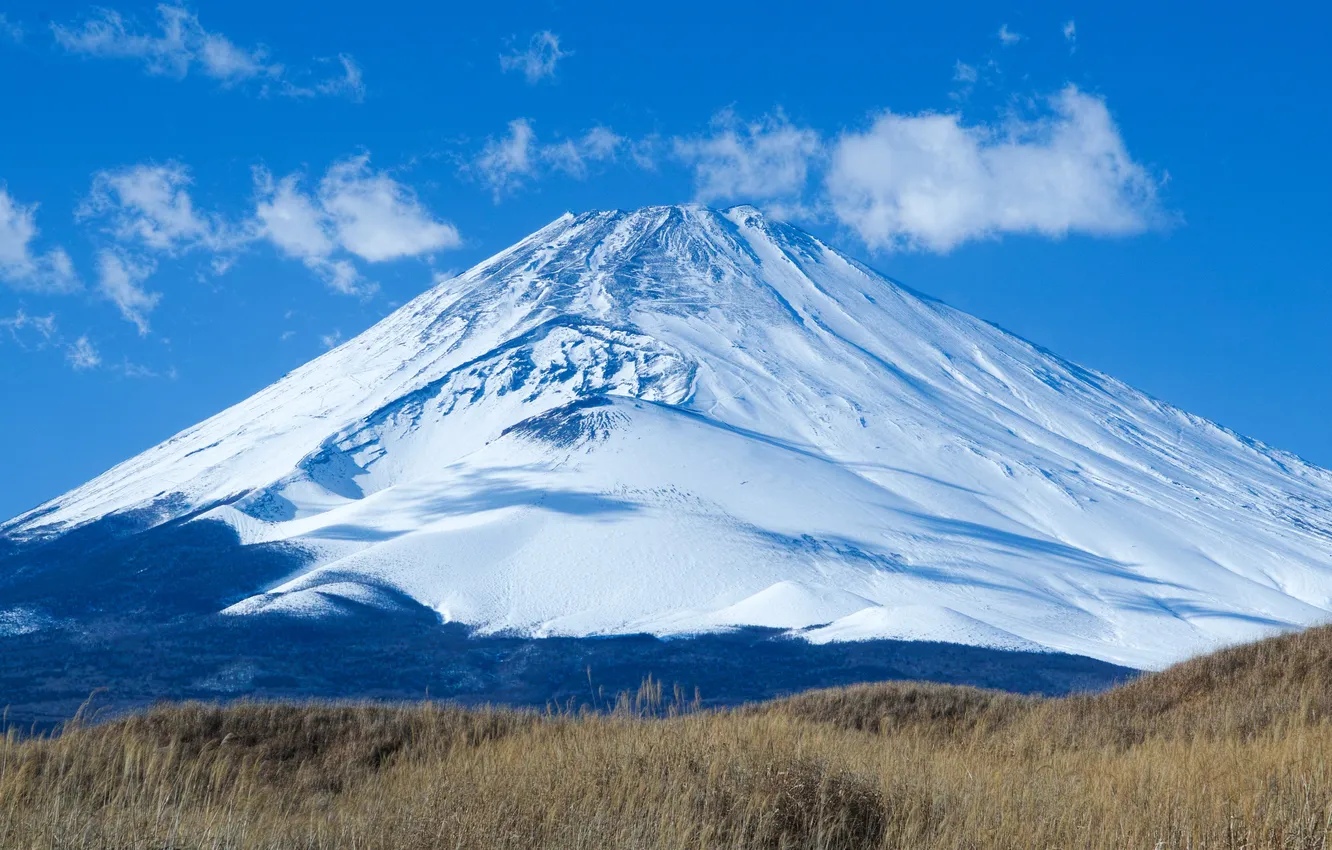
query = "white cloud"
{"x": 644, "y": 152}
{"x": 107, "y": 36}
{"x": 151, "y": 205}
{"x": 377, "y": 218}
{"x": 38, "y": 333}
{"x": 350, "y": 84}
{"x": 20, "y": 266}
{"x": 222, "y": 60}
{"x": 601, "y": 143}
{"x": 342, "y": 277}
{"x": 291, "y": 219}
{"x": 565, "y": 156}
{"x": 505, "y": 163}
{"x": 355, "y": 210}
{"x": 572, "y": 156}
{"x": 82, "y": 355}
{"x": 538, "y": 60}
{"x": 965, "y": 76}
{"x": 182, "y": 44}
{"x": 147, "y": 209}
{"x": 762, "y": 160}
{"x": 44, "y": 326}
{"x": 10, "y": 30}
{"x": 927, "y": 182}
{"x": 331, "y": 340}
{"x": 1007, "y": 37}
{"x": 220, "y": 265}
{"x": 1071, "y": 35}
{"x": 135, "y": 370}
{"x": 120, "y": 280}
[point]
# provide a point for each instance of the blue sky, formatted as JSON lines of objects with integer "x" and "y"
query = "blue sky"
{"x": 197, "y": 199}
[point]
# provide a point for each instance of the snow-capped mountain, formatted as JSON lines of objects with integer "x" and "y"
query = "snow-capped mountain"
{"x": 678, "y": 420}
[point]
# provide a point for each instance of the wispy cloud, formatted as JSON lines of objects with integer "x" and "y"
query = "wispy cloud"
{"x": 355, "y": 210}
{"x": 10, "y": 31}
{"x": 506, "y": 163}
{"x": 538, "y": 60}
{"x": 133, "y": 370}
{"x": 120, "y": 279}
{"x": 147, "y": 212}
{"x": 930, "y": 182}
{"x": 23, "y": 327}
{"x": 22, "y": 267}
{"x": 331, "y": 340}
{"x": 377, "y": 218}
{"x": 1071, "y": 35}
{"x": 39, "y": 333}
{"x": 291, "y": 219}
{"x": 574, "y": 156}
{"x": 35, "y": 333}
{"x": 927, "y": 181}
{"x": 767, "y": 159}
{"x": 1007, "y": 37}
{"x": 150, "y": 204}
{"x": 180, "y": 44}
{"x": 350, "y": 83}
{"x": 82, "y": 355}
{"x": 965, "y": 76}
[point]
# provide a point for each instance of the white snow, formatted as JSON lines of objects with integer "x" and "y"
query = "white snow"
{"x": 767, "y": 433}
{"x": 917, "y": 622}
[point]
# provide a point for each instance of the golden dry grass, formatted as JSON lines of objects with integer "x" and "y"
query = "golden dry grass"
{"x": 1233, "y": 750}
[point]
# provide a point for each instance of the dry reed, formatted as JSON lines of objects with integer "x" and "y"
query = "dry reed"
{"x": 1233, "y": 750}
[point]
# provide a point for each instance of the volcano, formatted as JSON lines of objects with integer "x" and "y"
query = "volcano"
{"x": 683, "y": 421}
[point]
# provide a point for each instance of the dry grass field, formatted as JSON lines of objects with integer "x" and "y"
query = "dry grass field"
{"x": 1233, "y": 750}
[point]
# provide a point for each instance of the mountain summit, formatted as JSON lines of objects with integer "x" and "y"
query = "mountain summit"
{"x": 679, "y": 420}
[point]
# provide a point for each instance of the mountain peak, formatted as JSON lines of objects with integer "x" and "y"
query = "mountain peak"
{"x": 678, "y": 419}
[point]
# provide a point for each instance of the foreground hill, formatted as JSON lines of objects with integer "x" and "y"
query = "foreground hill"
{"x": 1230, "y": 750}
{"x": 676, "y": 421}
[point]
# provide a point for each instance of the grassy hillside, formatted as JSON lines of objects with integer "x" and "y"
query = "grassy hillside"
{"x": 1231, "y": 750}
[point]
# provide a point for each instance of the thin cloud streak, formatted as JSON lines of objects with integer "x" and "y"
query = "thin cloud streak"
{"x": 181, "y": 45}
{"x": 538, "y": 60}
{"x": 506, "y": 164}
{"x": 22, "y": 266}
